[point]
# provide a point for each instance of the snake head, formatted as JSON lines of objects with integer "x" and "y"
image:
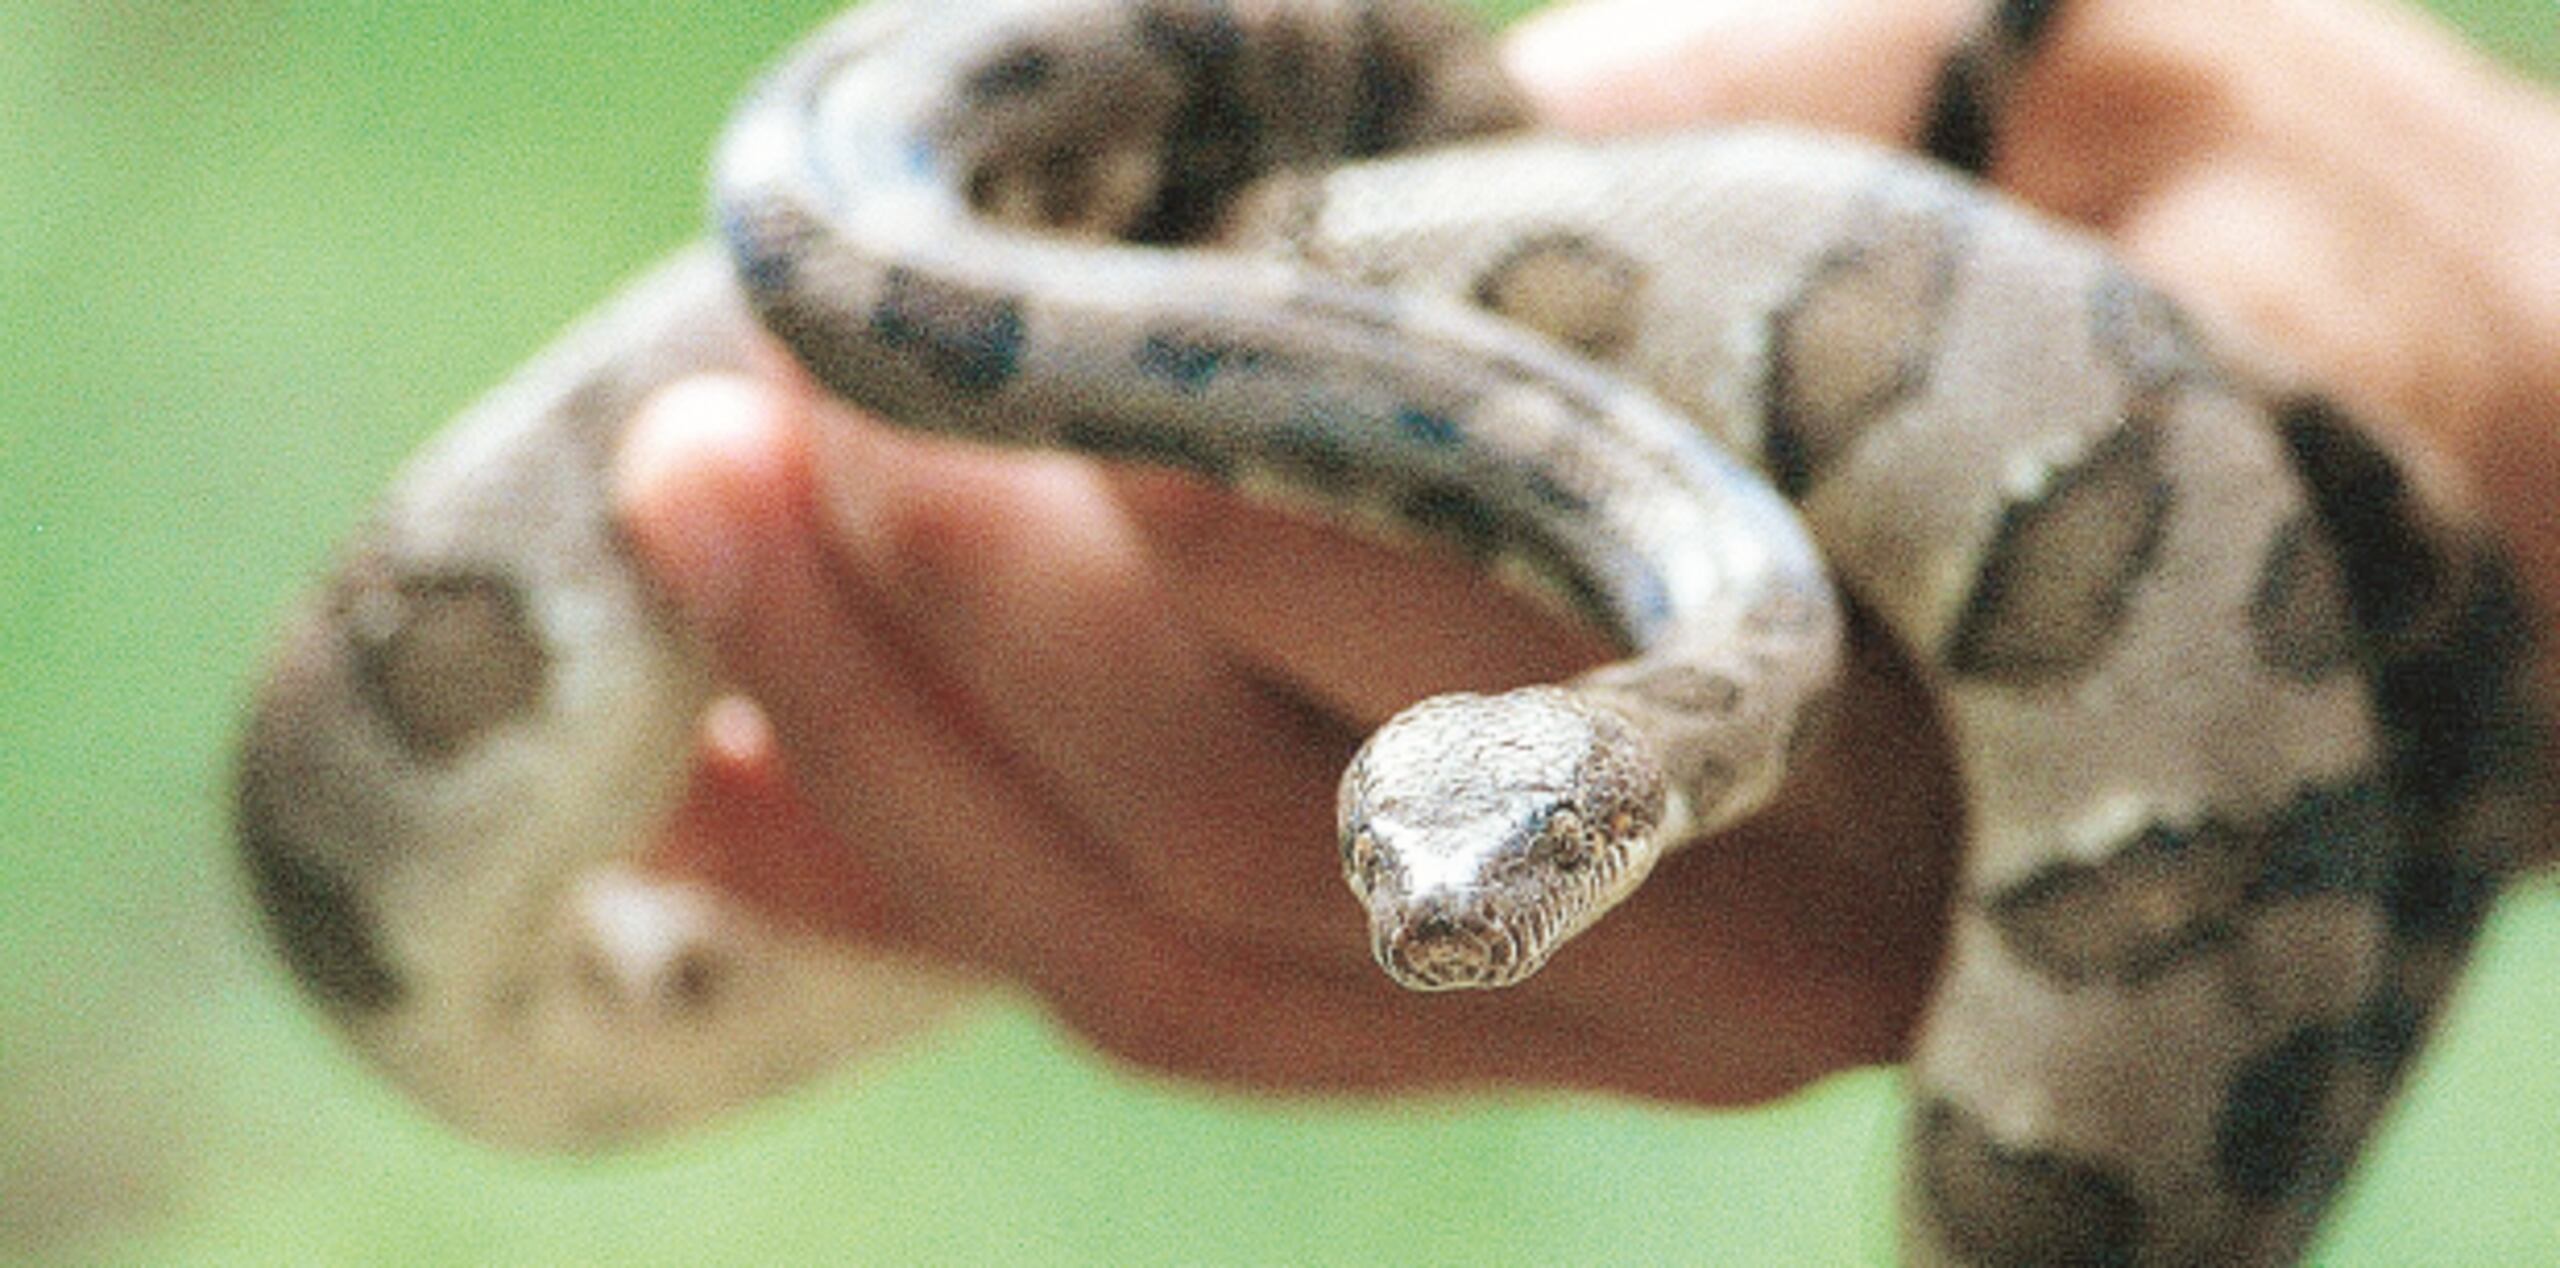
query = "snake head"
{"x": 1482, "y": 832}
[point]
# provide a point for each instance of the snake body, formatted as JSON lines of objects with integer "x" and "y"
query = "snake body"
{"x": 2236, "y": 690}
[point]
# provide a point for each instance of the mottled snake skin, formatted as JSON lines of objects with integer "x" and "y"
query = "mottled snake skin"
{"x": 2236, "y": 690}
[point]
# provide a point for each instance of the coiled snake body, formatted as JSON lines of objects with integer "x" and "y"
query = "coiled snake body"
{"x": 2237, "y": 699}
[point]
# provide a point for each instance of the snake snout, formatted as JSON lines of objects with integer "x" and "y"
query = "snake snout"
{"x": 1444, "y": 947}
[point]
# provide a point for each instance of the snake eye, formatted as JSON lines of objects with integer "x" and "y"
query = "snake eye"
{"x": 1562, "y": 843}
{"x": 1360, "y": 857}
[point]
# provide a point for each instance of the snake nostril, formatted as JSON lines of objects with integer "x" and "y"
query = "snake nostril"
{"x": 1437, "y": 946}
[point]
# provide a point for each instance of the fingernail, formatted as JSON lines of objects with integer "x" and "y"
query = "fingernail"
{"x": 735, "y": 730}
{"x": 1569, "y": 48}
{"x": 694, "y": 453}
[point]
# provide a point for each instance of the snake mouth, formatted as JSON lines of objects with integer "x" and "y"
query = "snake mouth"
{"x": 1442, "y": 951}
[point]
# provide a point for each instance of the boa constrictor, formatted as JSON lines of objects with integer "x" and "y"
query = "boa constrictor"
{"x": 2237, "y": 700}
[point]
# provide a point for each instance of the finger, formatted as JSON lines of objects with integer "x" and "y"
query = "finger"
{"x": 740, "y": 825}
{"x": 715, "y": 490}
{"x": 1800, "y": 943}
{"x": 1361, "y": 627}
{"x": 1019, "y": 580}
{"x": 1859, "y": 66}
{"x": 1756, "y": 961}
{"x": 991, "y": 874}
{"x": 745, "y": 830}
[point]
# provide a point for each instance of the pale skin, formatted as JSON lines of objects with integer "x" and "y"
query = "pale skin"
{"x": 1079, "y": 730}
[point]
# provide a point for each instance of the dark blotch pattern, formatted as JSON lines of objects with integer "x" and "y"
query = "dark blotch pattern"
{"x": 2372, "y": 515}
{"x": 2055, "y": 585}
{"x": 442, "y": 657}
{"x": 2459, "y": 703}
{"x": 1214, "y": 145}
{"x": 969, "y": 341}
{"x": 766, "y": 246}
{"x": 2026, "y": 21}
{"x": 1266, "y": 88}
{"x": 2000, "y": 1206}
{"x": 1308, "y": 451}
{"x": 1065, "y": 184}
{"x": 1455, "y": 514}
{"x": 319, "y": 924}
{"x": 2438, "y": 900}
{"x": 2023, "y": 22}
{"x": 2169, "y": 893}
{"x": 2299, "y": 621}
{"x": 1588, "y": 595}
{"x": 1119, "y": 439}
{"x": 1415, "y": 80}
{"x": 1192, "y": 364}
{"x": 2340, "y": 840}
{"x": 2450, "y": 637}
{"x": 1430, "y": 429}
{"x": 1554, "y": 496}
{"x": 2386, "y": 1033}
{"x": 1858, "y": 339}
{"x": 2159, "y": 898}
{"x": 2278, "y": 1139}
{"x": 1974, "y": 83}
{"x": 1013, "y": 72}
{"x": 1387, "y": 89}
{"x": 1960, "y": 131}
{"x": 1569, "y": 288}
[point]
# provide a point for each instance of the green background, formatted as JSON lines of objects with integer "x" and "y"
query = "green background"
{"x": 250, "y": 252}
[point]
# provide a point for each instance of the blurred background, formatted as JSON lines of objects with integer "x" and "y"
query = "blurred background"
{"x": 251, "y": 251}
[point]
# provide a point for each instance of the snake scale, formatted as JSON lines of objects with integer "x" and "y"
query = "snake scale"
{"x": 2236, "y": 690}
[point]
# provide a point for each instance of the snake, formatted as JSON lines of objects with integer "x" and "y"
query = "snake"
{"x": 2236, "y": 684}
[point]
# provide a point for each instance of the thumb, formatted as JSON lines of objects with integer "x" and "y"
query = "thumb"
{"x": 1862, "y": 66}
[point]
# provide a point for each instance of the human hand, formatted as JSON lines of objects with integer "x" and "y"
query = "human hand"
{"x": 1080, "y": 730}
